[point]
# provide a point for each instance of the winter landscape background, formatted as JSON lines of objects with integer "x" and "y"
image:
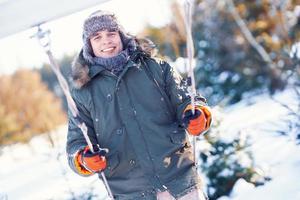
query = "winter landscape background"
{"x": 246, "y": 63}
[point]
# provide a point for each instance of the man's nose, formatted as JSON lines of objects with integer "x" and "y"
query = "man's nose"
{"x": 106, "y": 40}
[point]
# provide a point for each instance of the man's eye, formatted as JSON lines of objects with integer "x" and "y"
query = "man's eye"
{"x": 96, "y": 38}
{"x": 111, "y": 34}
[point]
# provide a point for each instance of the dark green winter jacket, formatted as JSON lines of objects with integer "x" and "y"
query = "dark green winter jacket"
{"x": 137, "y": 116}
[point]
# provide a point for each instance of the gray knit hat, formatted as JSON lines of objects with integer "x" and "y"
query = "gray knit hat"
{"x": 99, "y": 21}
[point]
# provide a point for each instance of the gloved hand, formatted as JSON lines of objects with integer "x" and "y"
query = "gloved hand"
{"x": 197, "y": 123}
{"x": 94, "y": 162}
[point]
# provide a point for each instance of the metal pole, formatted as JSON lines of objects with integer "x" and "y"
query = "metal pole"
{"x": 44, "y": 39}
{"x": 190, "y": 54}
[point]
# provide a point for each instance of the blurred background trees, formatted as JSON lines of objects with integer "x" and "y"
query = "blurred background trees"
{"x": 27, "y": 107}
{"x": 232, "y": 59}
{"x": 49, "y": 78}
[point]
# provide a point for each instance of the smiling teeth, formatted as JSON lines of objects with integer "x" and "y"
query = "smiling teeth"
{"x": 109, "y": 49}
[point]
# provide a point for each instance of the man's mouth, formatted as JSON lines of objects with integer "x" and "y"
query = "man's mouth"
{"x": 108, "y": 49}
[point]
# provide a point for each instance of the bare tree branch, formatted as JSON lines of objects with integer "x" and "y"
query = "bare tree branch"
{"x": 240, "y": 22}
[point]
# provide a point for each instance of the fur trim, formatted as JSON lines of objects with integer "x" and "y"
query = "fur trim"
{"x": 147, "y": 46}
{"x": 80, "y": 72}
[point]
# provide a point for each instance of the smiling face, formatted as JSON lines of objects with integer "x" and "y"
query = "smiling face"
{"x": 106, "y": 44}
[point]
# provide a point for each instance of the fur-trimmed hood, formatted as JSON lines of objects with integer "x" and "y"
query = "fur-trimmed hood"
{"x": 80, "y": 73}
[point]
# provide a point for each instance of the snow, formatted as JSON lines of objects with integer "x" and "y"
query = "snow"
{"x": 282, "y": 157}
{"x": 295, "y": 52}
{"x": 278, "y": 155}
{"x": 39, "y": 171}
{"x": 181, "y": 63}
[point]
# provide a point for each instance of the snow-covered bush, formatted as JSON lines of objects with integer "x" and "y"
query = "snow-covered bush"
{"x": 224, "y": 162}
{"x": 291, "y": 120}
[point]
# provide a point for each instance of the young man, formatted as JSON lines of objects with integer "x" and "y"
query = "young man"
{"x": 138, "y": 108}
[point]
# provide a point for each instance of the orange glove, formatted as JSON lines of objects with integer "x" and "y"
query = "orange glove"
{"x": 199, "y": 122}
{"x": 93, "y": 162}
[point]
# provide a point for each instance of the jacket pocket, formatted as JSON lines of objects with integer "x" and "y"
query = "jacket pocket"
{"x": 177, "y": 135}
{"x": 113, "y": 162}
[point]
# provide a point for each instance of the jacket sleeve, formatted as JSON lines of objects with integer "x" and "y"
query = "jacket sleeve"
{"x": 177, "y": 91}
{"x": 75, "y": 138}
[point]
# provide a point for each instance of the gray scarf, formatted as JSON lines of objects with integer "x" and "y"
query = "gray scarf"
{"x": 114, "y": 64}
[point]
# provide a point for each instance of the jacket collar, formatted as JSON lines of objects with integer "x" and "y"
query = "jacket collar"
{"x": 83, "y": 71}
{"x": 94, "y": 70}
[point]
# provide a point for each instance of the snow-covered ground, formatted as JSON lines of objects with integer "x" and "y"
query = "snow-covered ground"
{"x": 262, "y": 118}
{"x": 39, "y": 171}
